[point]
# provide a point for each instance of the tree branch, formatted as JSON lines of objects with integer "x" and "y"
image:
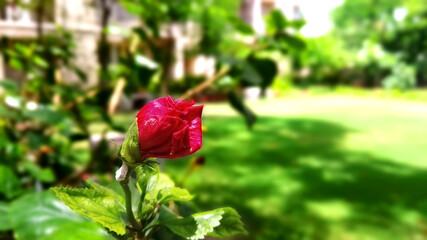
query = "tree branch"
{"x": 206, "y": 84}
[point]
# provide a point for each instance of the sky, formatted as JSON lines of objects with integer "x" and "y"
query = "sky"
{"x": 316, "y": 13}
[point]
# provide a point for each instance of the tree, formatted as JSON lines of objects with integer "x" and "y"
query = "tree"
{"x": 408, "y": 39}
{"x": 358, "y": 20}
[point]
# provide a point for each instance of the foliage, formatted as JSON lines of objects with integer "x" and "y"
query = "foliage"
{"x": 253, "y": 65}
{"x": 369, "y": 22}
{"x": 98, "y": 204}
{"x": 222, "y": 36}
{"x": 307, "y": 169}
{"x": 41, "y": 216}
{"x": 407, "y": 38}
{"x": 44, "y": 122}
{"x": 402, "y": 78}
{"x": 326, "y": 58}
{"x": 156, "y": 192}
{"x": 397, "y": 27}
{"x": 158, "y": 18}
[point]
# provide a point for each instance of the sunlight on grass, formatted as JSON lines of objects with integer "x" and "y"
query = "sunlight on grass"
{"x": 335, "y": 170}
{"x": 318, "y": 168}
{"x": 332, "y": 210}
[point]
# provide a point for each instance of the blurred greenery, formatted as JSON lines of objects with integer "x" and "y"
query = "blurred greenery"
{"x": 326, "y": 173}
{"x": 367, "y": 47}
{"x": 44, "y": 121}
{"x": 340, "y": 159}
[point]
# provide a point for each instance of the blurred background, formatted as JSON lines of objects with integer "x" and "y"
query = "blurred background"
{"x": 314, "y": 122}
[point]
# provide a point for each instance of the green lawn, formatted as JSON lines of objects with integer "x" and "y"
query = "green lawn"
{"x": 329, "y": 167}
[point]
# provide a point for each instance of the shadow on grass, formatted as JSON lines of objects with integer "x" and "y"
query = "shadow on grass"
{"x": 290, "y": 178}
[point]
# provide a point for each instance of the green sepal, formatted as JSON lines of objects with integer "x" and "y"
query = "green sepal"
{"x": 129, "y": 151}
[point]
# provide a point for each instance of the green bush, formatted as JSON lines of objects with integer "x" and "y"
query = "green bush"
{"x": 402, "y": 78}
{"x": 326, "y": 60}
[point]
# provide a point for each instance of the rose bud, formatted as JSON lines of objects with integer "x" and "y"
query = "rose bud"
{"x": 164, "y": 128}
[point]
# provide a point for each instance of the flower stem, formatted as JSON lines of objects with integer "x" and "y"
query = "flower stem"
{"x": 128, "y": 196}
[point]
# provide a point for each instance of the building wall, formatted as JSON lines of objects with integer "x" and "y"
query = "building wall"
{"x": 251, "y": 13}
{"x": 81, "y": 17}
{"x": 78, "y": 16}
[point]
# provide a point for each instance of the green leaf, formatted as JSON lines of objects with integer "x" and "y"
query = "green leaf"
{"x": 174, "y": 194}
{"x": 298, "y": 24}
{"x": 230, "y": 224}
{"x": 145, "y": 209}
{"x": 250, "y": 75}
{"x": 147, "y": 177}
{"x": 40, "y": 62}
{"x": 156, "y": 188}
{"x": 161, "y": 188}
{"x": 15, "y": 63}
{"x": 5, "y": 223}
{"x": 42, "y": 217}
{"x": 132, "y": 7}
{"x": 105, "y": 190}
{"x": 240, "y": 25}
{"x": 10, "y": 186}
{"x": 57, "y": 51}
{"x": 277, "y": 21}
{"x": 238, "y": 104}
{"x": 144, "y": 176}
{"x": 221, "y": 223}
{"x": 97, "y": 205}
{"x": 10, "y": 85}
{"x": 163, "y": 182}
{"x": 151, "y": 182}
{"x": 184, "y": 227}
{"x": 80, "y": 73}
{"x": 45, "y": 115}
{"x": 267, "y": 69}
{"x": 206, "y": 222}
{"x": 6, "y": 113}
{"x": 292, "y": 41}
{"x": 43, "y": 174}
{"x": 81, "y": 231}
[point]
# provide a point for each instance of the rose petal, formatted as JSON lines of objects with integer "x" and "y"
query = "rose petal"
{"x": 155, "y": 134}
{"x": 192, "y": 113}
{"x": 180, "y": 143}
{"x": 169, "y": 128}
{"x": 195, "y": 135}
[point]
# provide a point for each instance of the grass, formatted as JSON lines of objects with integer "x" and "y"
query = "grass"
{"x": 328, "y": 167}
{"x": 419, "y": 94}
{"x": 317, "y": 168}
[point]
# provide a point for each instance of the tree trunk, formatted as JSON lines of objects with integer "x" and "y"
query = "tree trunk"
{"x": 103, "y": 48}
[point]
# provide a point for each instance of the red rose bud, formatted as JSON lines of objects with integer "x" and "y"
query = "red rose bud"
{"x": 164, "y": 128}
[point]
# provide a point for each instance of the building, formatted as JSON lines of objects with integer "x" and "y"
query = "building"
{"x": 82, "y": 17}
{"x": 253, "y": 11}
